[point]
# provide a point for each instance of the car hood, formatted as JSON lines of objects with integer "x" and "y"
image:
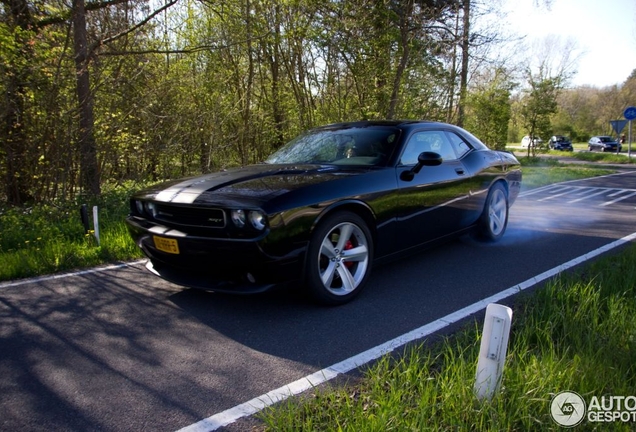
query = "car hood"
{"x": 251, "y": 185}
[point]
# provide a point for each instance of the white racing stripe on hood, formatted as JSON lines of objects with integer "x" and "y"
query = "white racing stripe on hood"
{"x": 188, "y": 191}
{"x": 176, "y": 194}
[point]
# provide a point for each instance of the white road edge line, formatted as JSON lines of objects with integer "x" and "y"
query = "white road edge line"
{"x": 310, "y": 381}
{"x": 65, "y": 275}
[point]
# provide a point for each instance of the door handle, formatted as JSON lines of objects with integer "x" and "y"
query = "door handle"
{"x": 459, "y": 171}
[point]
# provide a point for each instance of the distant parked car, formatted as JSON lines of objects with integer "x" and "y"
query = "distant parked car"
{"x": 536, "y": 142}
{"x": 603, "y": 143}
{"x": 560, "y": 142}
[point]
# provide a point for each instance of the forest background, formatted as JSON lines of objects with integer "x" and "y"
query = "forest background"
{"x": 108, "y": 91}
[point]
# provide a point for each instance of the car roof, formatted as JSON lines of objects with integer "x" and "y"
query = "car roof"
{"x": 406, "y": 125}
{"x": 367, "y": 123}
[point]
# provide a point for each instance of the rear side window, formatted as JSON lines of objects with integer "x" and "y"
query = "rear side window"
{"x": 460, "y": 146}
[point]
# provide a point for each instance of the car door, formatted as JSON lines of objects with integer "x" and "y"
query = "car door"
{"x": 434, "y": 202}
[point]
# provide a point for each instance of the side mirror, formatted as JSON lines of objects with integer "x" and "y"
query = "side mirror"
{"x": 424, "y": 159}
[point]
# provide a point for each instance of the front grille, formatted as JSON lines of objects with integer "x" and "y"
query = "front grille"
{"x": 190, "y": 216}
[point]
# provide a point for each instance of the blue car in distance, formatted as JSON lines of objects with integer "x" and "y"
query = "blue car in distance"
{"x": 560, "y": 142}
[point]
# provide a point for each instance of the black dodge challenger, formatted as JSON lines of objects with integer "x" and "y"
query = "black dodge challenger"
{"x": 326, "y": 207}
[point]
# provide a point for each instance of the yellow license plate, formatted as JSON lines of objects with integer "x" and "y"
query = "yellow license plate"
{"x": 166, "y": 245}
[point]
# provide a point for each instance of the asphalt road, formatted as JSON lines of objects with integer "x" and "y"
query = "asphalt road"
{"x": 120, "y": 350}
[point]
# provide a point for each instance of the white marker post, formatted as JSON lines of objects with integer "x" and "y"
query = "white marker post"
{"x": 494, "y": 346}
{"x": 96, "y": 224}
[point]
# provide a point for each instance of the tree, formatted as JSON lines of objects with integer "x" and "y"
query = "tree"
{"x": 89, "y": 170}
{"x": 112, "y": 92}
{"x": 488, "y": 108}
{"x": 17, "y": 52}
{"x": 554, "y": 67}
{"x": 538, "y": 105}
{"x": 463, "y": 75}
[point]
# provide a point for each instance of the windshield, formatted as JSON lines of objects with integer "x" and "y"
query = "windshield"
{"x": 370, "y": 146}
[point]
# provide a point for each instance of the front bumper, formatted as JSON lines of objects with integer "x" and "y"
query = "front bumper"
{"x": 563, "y": 147}
{"x": 215, "y": 264}
{"x": 612, "y": 148}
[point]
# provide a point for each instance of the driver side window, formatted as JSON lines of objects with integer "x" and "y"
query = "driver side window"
{"x": 427, "y": 141}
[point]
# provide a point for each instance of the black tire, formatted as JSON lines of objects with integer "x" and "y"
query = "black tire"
{"x": 494, "y": 219}
{"x": 339, "y": 258}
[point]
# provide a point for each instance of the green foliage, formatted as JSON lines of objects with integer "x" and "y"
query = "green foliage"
{"x": 539, "y": 105}
{"x": 489, "y": 111}
{"x": 609, "y": 158}
{"x": 204, "y": 86}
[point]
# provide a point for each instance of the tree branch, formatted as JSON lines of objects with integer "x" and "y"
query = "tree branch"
{"x": 192, "y": 50}
{"x": 64, "y": 17}
{"x": 133, "y": 28}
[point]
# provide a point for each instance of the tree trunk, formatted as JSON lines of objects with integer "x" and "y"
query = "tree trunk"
{"x": 89, "y": 169}
{"x": 452, "y": 80}
{"x": 463, "y": 79}
{"x": 15, "y": 143}
{"x": 405, "y": 33}
{"x": 275, "y": 70}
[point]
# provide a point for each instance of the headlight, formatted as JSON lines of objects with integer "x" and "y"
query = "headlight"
{"x": 257, "y": 219}
{"x": 238, "y": 217}
{"x": 150, "y": 209}
{"x": 139, "y": 206}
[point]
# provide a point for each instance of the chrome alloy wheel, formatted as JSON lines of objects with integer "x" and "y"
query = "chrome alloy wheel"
{"x": 343, "y": 258}
{"x": 497, "y": 212}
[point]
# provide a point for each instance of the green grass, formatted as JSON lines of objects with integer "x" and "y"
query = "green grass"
{"x": 578, "y": 333}
{"x": 606, "y": 158}
{"x": 49, "y": 238}
{"x": 540, "y": 171}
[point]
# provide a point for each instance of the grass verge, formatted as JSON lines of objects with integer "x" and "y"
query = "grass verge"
{"x": 577, "y": 333}
{"x": 607, "y": 158}
{"x": 541, "y": 171}
{"x": 49, "y": 238}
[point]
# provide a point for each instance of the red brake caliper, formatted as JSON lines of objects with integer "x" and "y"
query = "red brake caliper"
{"x": 348, "y": 246}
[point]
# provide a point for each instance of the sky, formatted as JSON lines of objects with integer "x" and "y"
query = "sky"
{"x": 604, "y": 31}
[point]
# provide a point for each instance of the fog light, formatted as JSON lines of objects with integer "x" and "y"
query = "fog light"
{"x": 250, "y": 278}
{"x": 238, "y": 217}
